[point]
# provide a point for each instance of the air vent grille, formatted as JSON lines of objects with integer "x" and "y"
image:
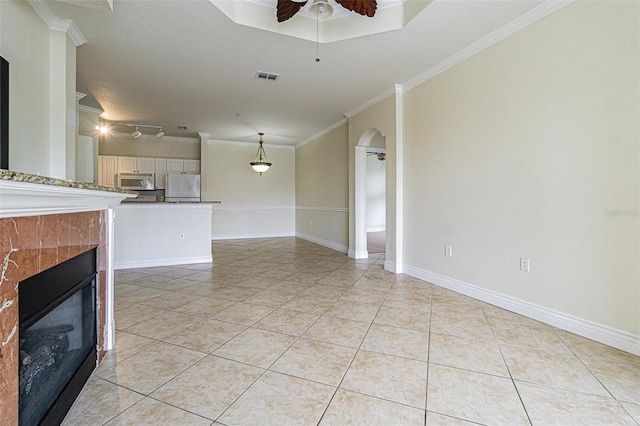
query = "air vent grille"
{"x": 267, "y": 76}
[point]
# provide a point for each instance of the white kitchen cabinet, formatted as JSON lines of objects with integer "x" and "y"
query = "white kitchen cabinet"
{"x": 161, "y": 172}
{"x": 175, "y": 165}
{"x": 192, "y": 167}
{"x": 136, "y": 165}
{"x": 178, "y": 165}
{"x": 107, "y": 169}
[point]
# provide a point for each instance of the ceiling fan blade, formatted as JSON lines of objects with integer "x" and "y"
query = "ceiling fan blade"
{"x": 363, "y": 7}
{"x": 287, "y": 8}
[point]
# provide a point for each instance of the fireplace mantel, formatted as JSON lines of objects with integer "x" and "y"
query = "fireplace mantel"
{"x": 44, "y": 222}
{"x": 23, "y": 194}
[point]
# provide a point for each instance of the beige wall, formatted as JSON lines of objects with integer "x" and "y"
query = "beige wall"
{"x": 252, "y": 205}
{"x": 148, "y": 146}
{"x": 322, "y": 190}
{"x": 24, "y": 42}
{"x": 531, "y": 149}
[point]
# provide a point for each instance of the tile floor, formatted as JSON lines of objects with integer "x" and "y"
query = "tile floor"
{"x": 282, "y": 331}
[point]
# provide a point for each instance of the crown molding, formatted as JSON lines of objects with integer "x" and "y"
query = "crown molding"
{"x": 322, "y": 133}
{"x": 249, "y": 144}
{"x": 80, "y": 96}
{"x": 89, "y": 110}
{"x": 370, "y": 103}
{"x": 489, "y": 40}
{"x": 57, "y": 24}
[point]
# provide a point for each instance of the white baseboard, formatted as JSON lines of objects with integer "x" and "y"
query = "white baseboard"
{"x": 324, "y": 243}
{"x": 161, "y": 262}
{"x": 600, "y": 333}
{"x": 377, "y": 229}
{"x": 363, "y": 254}
{"x": 392, "y": 267}
{"x": 248, "y": 236}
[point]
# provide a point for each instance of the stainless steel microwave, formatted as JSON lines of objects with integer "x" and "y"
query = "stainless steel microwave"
{"x": 137, "y": 181}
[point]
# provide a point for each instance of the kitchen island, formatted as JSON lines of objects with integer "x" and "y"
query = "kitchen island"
{"x": 162, "y": 233}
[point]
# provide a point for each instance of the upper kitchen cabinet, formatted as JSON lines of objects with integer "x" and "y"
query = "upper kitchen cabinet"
{"x": 177, "y": 165}
{"x": 107, "y": 169}
{"x": 136, "y": 165}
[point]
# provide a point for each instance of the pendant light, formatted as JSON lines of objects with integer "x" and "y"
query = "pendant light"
{"x": 260, "y": 164}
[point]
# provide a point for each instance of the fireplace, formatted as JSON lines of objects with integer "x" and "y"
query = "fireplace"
{"x": 57, "y": 335}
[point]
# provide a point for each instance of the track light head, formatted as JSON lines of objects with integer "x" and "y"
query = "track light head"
{"x": 136, "y": 133}
{"x": 160, "y": 134}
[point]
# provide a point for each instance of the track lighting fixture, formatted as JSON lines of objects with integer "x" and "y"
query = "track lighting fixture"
{"x": 136, "y": 133}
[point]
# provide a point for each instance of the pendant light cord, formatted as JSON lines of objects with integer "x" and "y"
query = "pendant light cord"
{"x": 317, "y": 37}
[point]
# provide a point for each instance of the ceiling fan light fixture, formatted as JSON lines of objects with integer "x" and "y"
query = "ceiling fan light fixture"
{"x": 320, "y": 9}
{"x": 260, "y": 164}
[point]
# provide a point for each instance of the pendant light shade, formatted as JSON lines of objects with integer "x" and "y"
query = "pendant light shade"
{"x": 320, "y": 9}
{"x": 260, "y": 164}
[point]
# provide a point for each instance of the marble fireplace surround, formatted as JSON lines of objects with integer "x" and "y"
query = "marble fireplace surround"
{"x": 44, "y": 222}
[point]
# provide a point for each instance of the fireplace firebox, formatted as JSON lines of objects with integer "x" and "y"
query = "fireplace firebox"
{"x": 57, "y": 338}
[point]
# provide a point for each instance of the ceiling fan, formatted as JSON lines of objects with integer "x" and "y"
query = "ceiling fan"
{"x": 381, "y": 155}
{"x": 287, "y": 8}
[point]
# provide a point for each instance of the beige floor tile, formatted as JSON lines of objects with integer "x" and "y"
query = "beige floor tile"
{"x": 290, "y": 287}
{"x": 338, "y": 331}
{"x": 633, "y": 410}
{"x": 437, "y": 419}
{"x": 478, "y": 355}
{"x": 364, "y": 295}
{"x": 494, "y": 312}
{"x": 403, "y": 317}
{"x": 549, "y": 406}
{"x": 171, "y": 300}
{"x": 528, "y": 336}
{"x": 144, "y": 293}
{"x": 308, "y": 304}
{"x": 151, "y": 368}
{"x": 99, "y": 402}
{"x": 397, "y": 341}
{"x": 347, "y": 309}
{"x": 204, "y": 306}
{"x": 287, "y": 400}
{"x": 317, "y": 361}
{"x": 162, "y": 326}
{"x": 206, "y": 336}
{"x": 270, "y": 298}
{"x": 350, "y": 408}
{"x": 324, "y": 291}
{"x": 236, "y": 293}
{"x": 470, "y": 327}
{"x": 134, "y": 314}
{"x": 388, "y": 377}
{"x": 126, "y": 345}
{"x": 551, "y": 369}
{"x": 452, "y": 307}
{"x": 474, "y": 397}
{"x": 586, "y": 348}
{"x": 256, "y": 347}
{"x": 243, "y": 313}
{"x": 287, "y": 322}
{"x": 622, "y": 380}
{"x": 219, "y": 382}
{"x": 151, "y": 412}
{"x": 204, "y": 289}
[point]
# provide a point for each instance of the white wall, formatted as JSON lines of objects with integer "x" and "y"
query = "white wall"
{"x": 531, "y": 149}
{"x": 376, "y": 189}
{"x": 24, "y": 42}
{"x": 322, "y": 189}
{"x": 253, "y": 206}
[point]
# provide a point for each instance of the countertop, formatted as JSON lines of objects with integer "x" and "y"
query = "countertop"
{"x": 9, "y": 175}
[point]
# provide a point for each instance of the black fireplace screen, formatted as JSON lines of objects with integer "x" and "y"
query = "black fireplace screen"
{"x": 57, "y": 338}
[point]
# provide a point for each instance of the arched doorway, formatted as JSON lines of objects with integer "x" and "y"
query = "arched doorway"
{"x": 371, "y": 141}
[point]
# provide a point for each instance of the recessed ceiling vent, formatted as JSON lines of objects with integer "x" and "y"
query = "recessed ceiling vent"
{"x": 267, "y": 76}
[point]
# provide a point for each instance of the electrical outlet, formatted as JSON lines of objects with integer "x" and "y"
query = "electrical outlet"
{"x": 182, "y": 235}
{"x": 448, "y": 251}
{"x": 524, "y": 264}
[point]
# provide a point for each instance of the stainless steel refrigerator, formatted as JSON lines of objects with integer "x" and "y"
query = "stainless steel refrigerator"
{"x": 181, "y": 187}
